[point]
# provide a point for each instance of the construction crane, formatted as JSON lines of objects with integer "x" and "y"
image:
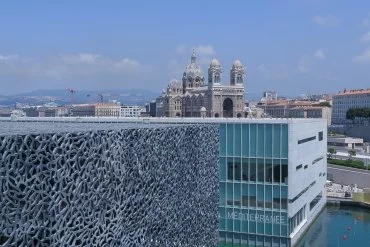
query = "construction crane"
{"x": 71, "y": 92}
{"x": 101, "y": 97}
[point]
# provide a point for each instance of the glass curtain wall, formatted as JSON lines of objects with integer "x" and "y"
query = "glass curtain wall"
{"x": 253, "y": 184}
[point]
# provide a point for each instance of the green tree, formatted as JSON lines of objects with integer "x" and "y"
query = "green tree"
{"x": 351, "y": 153}
{"x": 358, "y": 112}
{"x": 327, "y": 104}
{"x": 331, "y": 151}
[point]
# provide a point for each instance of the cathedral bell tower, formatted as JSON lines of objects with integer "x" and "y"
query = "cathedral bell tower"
{"x": 237, "y": 74}
{"x": 214, "y": 73}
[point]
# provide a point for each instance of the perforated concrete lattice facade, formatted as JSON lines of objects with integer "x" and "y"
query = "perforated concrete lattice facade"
{"x": 132, "y": 187}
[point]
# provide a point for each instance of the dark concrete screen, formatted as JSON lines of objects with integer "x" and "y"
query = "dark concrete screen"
{"x": 133, "y": 187}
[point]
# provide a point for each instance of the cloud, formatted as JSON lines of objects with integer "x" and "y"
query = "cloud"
{"x": 326, "y": 21}
{"x": 87, "y": 58}
{"x": 275, "y": 71}
{"x": 363, "y": 58}
{"x": 319, "y": 54}
{"x": 181, "y": 48}
{"x": 204, "y": 50}
{"x": 283, "y": 70}
{"x": 304, "y": 64}
{"x": 127, "y": 65}
{"x": 330, "y": 77}
{"x": 8, "y": 58}
{"x": 365, "y": 22}
{"x": 62, "y": 65}
{"x": 366, "y": 37}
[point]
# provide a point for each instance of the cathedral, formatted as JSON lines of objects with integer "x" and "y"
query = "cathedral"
{"x": 193, "y": 97}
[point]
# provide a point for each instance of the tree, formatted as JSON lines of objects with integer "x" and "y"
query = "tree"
{"x": 351, "y": 153}
{"x": 358, "y": 113}
{"x": 331, "y": 151}
{"x": 327, "y": 104}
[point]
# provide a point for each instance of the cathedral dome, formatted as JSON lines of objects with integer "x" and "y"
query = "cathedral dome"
{"x": 215, "y": 63}
{"x": 193, "y": 71}
{"x": 237, "y": 64}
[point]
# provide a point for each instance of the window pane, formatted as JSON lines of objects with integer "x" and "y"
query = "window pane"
{"x": 268, "y": 140}
{"x": 259, "y": 241}
{"x": 260, "y": 195}
{"x": 229, "y": 194}
{"x": 229, "y": 138}
{"x": 245, "y": 221}
{"x": 237, "y": 195}
{"x": 237, "y": 169}
{"x": 260, "y": 170}
{"x": 276, "y": 197}
{"x": 276, "y": 171}
{"x": 276, "y": 146}
{"x": 252, "y": 170}
{"x": 284, "y": 228}
{"x": 245, "y": 169}
{"x": 222, "y": 168}
{"x": 222, "y": 194}
{"x": 261, "y": 140}
{"x": 245, "y": 195}
{"x": 229, "y": 237}
{"x": 253, "y": 140}
{"x": 236, "y": 238}
{"x": 230, "y": 169}
{"x": 268, "y": 224}
{"x": 252, "y": 195}
{"x": 237, "y": 139}
{"x": 222, "y": 218}
{"x": 222, "y": 139}
{"x": 284, "y": 141}
{"x": 268, "y": 170}
{"x": 237, "y": 221}
{"x": 275, "y": 226}
{"x": 268, "y": 196}
{"x": 284, "y": 197}
{"x": 252, "y": 224}
{"x": 268, "y": 241}
{"x": 245, "y": 140}
{"x": 229, "y": 220}
{"x": 244, "y": 239}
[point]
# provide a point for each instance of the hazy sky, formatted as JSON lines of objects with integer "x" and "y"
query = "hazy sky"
{"x": 293, "y": 47}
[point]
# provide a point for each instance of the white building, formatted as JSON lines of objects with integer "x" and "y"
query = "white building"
{"x": 346, "y": 100}
{"x": 131, "y": 111}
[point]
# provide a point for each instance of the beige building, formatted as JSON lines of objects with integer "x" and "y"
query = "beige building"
{"x": 193, "y": 97}
{"x": 82, "y": 110}
{"x": 108, "y": 109}
{"x": 297, "y": 109}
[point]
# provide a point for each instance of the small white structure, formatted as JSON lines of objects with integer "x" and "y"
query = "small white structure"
{"x": 131, "y": 111}
{"x": 349, "y": 142}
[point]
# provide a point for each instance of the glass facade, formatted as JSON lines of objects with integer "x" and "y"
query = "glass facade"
{"x": 253, "y": 184}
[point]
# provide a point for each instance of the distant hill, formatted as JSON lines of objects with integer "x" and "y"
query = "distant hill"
{"x": 62, "y": 97}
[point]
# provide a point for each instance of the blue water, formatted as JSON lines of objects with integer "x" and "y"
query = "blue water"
{"x": 339, "y": 227}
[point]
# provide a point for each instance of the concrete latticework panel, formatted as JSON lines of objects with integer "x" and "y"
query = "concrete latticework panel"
{"x": 133, "y": 187}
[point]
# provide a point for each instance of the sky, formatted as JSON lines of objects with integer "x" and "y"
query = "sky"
{"x": 292, "y": 47}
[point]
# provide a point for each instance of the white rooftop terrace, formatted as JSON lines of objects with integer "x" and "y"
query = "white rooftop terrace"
{"x": 26, "y": 125}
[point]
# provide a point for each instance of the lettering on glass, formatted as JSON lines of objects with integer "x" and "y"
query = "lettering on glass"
{"x": 256, "y": 217}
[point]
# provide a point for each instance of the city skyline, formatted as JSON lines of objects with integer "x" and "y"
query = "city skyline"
{"x": 305, "y": 47}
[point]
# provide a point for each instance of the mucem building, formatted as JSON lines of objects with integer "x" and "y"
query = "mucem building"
{"x": 91, "y": 184}
{"x": 197, "y": 182}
